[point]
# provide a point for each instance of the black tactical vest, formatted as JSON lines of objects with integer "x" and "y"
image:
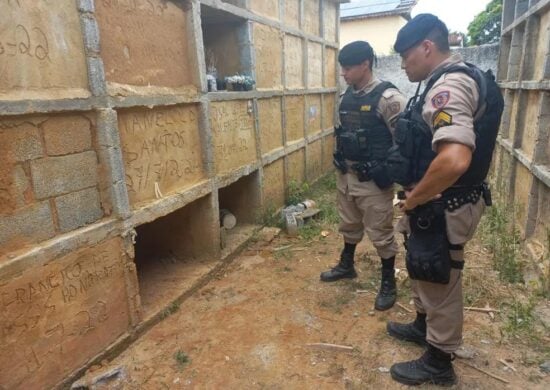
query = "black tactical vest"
{"x": 409, "y": 160}
{"x": 364, "y": 135}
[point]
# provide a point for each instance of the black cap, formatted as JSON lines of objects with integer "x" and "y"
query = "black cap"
{"x": 416, "y": 30}
{"x": 355, "y": 53}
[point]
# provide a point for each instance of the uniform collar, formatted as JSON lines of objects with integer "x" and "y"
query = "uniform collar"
{"x": 374, "y": 81}
{"x": 455, "y": 58}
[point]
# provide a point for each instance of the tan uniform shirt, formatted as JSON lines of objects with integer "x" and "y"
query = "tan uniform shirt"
{"x": 391, "y": 104}
{"x": 451, "y": 105}
{"x": 449, "y": 109}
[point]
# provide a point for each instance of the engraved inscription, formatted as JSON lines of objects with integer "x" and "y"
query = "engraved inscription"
{"x": 234, "y": 139}
{"x": 41, "y": 47}
{"x": 160, "y": 146}
{"x": 144, "y": 42}
{"x": 54, "y": 317}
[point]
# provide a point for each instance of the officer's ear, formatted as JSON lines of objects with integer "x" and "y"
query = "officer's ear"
{"x": 367, "y": 64}
{"x": 427, "y": 47}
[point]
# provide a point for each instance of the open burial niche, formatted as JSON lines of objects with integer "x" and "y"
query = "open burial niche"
{"x": 173, "y": 252}
{"x": 239, "y": 208}
{"x": 227, "y": 50}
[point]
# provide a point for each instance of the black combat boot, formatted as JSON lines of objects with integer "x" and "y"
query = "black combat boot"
{"x": 343, "y": 270}
{"x": 433, "y": 367}
{"x": 414, "y": 331}
{"x": 388, "y": 291}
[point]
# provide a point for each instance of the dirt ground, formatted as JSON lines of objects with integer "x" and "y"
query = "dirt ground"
{"x": 249, "y": 328}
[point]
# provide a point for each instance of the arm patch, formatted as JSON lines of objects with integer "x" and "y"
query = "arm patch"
{"x": 442, "y": 119}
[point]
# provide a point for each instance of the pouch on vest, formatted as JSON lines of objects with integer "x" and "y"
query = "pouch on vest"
{"x": 379, "y": 175}
{"x": 354, "y": 145}
{"x": 428, "y": 258}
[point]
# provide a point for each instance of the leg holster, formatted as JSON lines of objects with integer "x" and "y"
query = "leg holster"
{"x": 428, "y": 258}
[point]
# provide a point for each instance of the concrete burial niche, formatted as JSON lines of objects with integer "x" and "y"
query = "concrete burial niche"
{"x": 294, "y": 118}
{"x": 173, "y": 252}
{"x": 42, "y": 53}
{"x": 311, "y": 17}
{"x": 314, "y": 65}
{"x": 227, "y": 46}
{"x": 242, "y": 199}
{"x": 294, "y": 62}
{"x": 162, "y": 151}
{"x": 274, "y": 185}
{"x": 313, "y": 106}
{"x": 314, "y": 168}
{"x": 328, "y": 111}
{"x": 328, "y": 150}
{"x": 292, "y": 13}
{"x": 58, "y": 314}
{"x": 146, "y": 43}
{"x": 269, "y": 9}
{"x": 233, "y": 133}
{"x": 330, "y": 67}
{"x": 268, "y": 46}
{"x": 49, "y": 178}
{"x": 330, "y": 20}
{"x": 270, "y": 122}
{"x": 296, "y": 167}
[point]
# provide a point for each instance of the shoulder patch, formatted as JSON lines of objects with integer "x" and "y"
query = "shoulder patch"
{"x": 441, "y": 99}
{"x": 442, "y": 119}
{"x": 395, "y": 107}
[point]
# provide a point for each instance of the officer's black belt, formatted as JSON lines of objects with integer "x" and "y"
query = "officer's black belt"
{"x": 456, "y": 197}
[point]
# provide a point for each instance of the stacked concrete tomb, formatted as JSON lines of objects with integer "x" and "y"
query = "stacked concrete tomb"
{"x": 522, "y": 157}
{"x": 116, "y": 158}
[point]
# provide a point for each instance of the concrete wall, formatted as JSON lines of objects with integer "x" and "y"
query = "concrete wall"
{"x": 389, "y": 67}
{"x": 379, "y": 32}
{"x": 521, "y": 170}
{"x": 112, "y": 150}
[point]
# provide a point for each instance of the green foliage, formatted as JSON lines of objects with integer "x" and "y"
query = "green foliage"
{"x": 486, "y": 26}
{"x": 521, "y": 320}
{"x": 269, "y": 216}
{"x": 296, "y": 192}
{"x": 181, "y": 358}
{"x": 171, "y": 309}
{"x": 502, "y": 238}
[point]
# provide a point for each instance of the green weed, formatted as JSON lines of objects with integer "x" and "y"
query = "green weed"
{"x": 502, "y": 238}
{"x": 171, "y": 309}
{"x": 181, "y": 358}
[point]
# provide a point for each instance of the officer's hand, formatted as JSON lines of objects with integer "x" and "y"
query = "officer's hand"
{"x": 409, "y": 203}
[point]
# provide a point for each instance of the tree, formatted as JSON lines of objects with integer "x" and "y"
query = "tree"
{"x": 485, "y": 28}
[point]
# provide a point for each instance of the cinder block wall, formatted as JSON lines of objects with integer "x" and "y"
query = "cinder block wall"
{"x": 107, "y": 127}
{"x": 522, "y": 158}
{"x": 389, "y": 67}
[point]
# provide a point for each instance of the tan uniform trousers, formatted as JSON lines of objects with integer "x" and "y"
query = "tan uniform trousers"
{"x": 363, "y": 207}
{"x": 443, "y": 303}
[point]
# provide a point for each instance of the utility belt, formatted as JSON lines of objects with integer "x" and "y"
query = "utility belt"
{"x": 364, "y": 170}
{"x": 428, "y": 247}
{"x": 457, "y": 196}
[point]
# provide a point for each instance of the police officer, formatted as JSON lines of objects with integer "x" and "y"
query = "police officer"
{"x": 445, "y": 140}
{"x": 367, "y": 113}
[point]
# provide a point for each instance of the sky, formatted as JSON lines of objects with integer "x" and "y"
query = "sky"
{"x": 455, "y": 14}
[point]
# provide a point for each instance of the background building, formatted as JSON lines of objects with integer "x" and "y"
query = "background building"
{"x": 376, "y": 21}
